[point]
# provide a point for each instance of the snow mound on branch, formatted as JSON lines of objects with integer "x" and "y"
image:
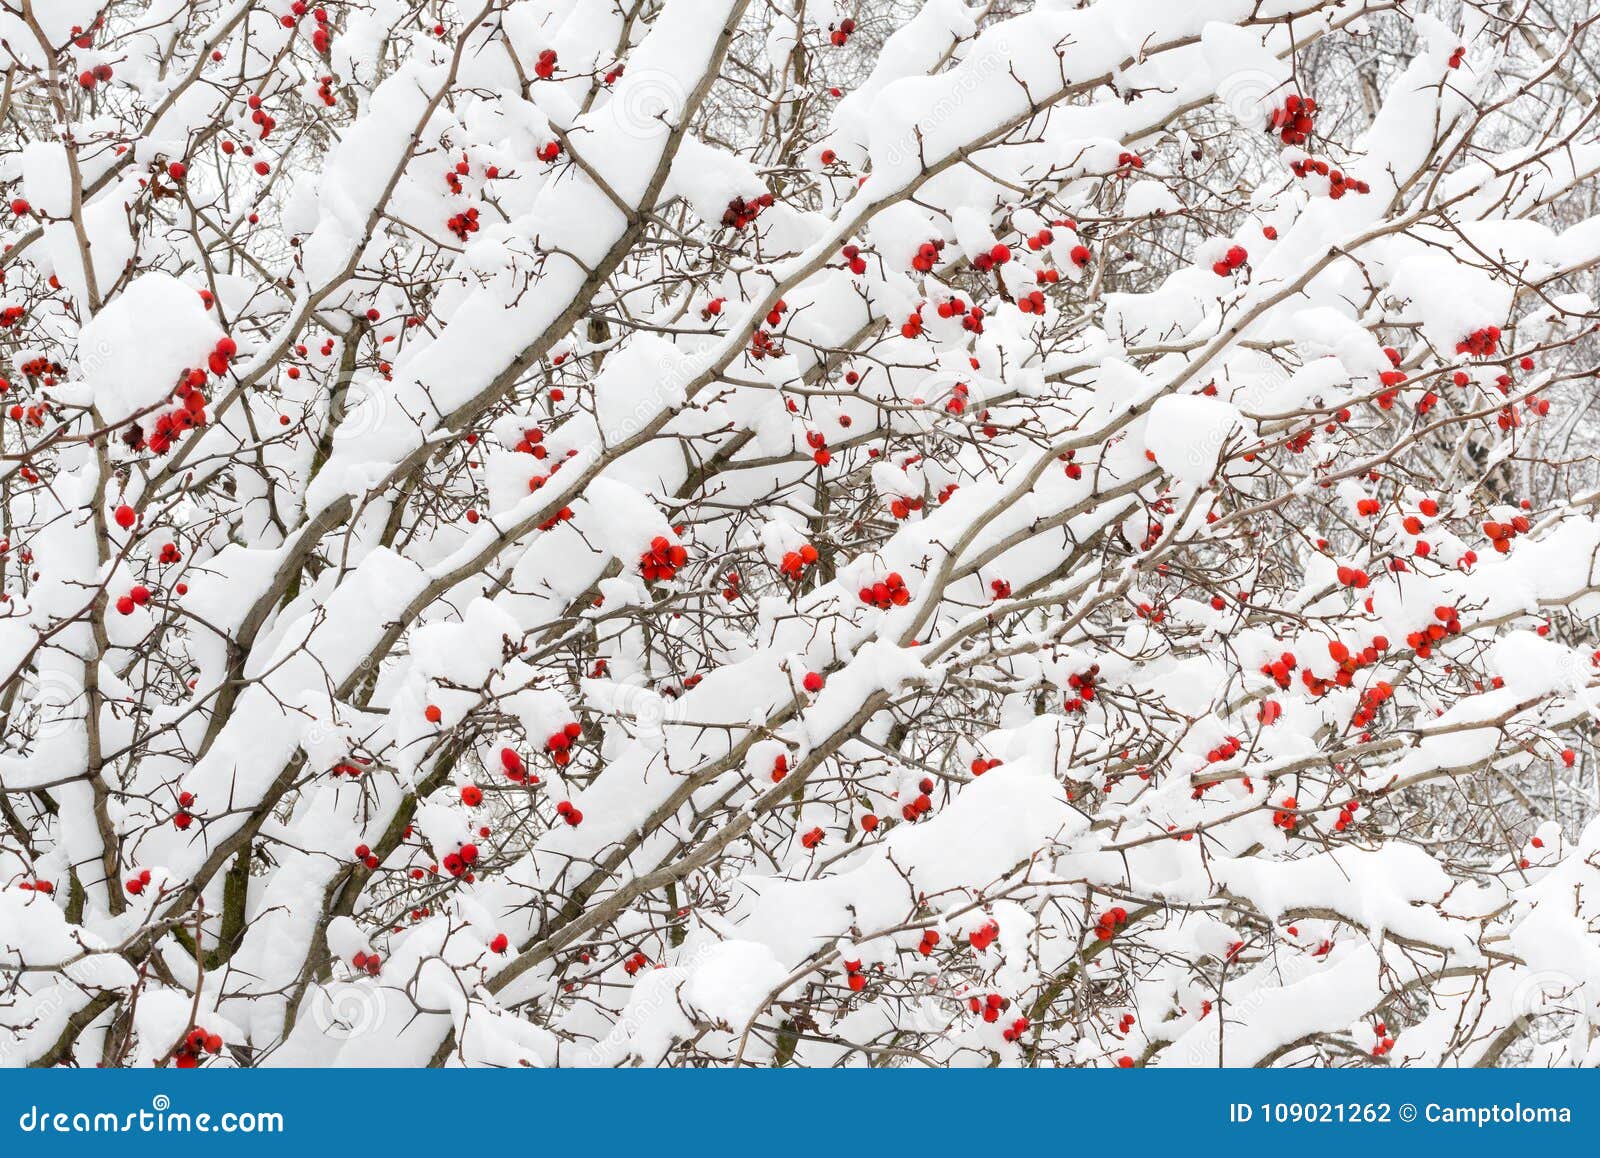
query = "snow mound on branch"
{"x": 1388, "y": 890}
{"x": 1529, "y": 665}
{"x": 732, "y": 980}
{"x": 1323, "y": 330}
{"x": 708, "y": 178}
{"x": 132, "y": 352}
{"x": 1449, "y": 298}
{"x": 1186, "y": 433}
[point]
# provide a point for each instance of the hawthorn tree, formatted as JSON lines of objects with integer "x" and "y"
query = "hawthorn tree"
{"x": 700, "y": 532}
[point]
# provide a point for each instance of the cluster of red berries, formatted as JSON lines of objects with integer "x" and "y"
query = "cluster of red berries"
{"x": 921, "y": 804}
{"x": 794, "y": 563}
{"x": 927, "y": 255}
{"x": 930, "y": 941}
{"x": 1284, "y": 816}
{"x": 321, "y": 39}
{"x": 516, "y": 770}
{"x": 982, "y": 938}
{"x": 780, "y": 767}
{"x": 1482, "y": 343}
{"x": 264, "y": 121}
{"x": 183, "y": 818}
{"x": 559, "y": 744}
{"x": 1280, "y": 668}
{"x": 1111, "y": 922}
{"x": 545, "y": 66}
{"x": 852, "y": 255}
{"x": 1448, "y": 624}
{"x": 1083, "y": 687}
{"x": 365, "y": 855}
{"x": 135, "y": 884}
{"x": 1225, "y": 751}
{"x": 368, "y": 963}
{"x": 662, "y": 560}
{"x": 171, "y": 425}
{"x": 1501, "y": 534}
{"x": 1338, "y": 183}
{"x": 195, "y": 1045}
{"x": 548, "y": 151}
{"x": 1347, "y": 664}
{"x": 1041, "y": 239}
{"x": 989, "y": 1007}
{"x": 1016, "y": 1029}
{"x": 1154, "y": 612}
{"x": 741, "y": 213}
{"x": 818, "y": 442}
{"x": 731, "y": 591}
{"x": 1372, "y": 699}
{"x": 1352, "y": 577}
{"x": 1456, "y": 57}
{"x": 1031, "y": 302}
{"x": 1385, "y": 1043}
{"x": 44, "y": 368}
{"x": 460, "y": 862}
{"x": 890, "y": 591}
{"x": 1231, "y": 261}
{"x": 531, "y": 442}
{"x": 464, "y": 224}
{"x": 11, "y": 315}
{"x": 1347, "y": 816}
{"x": 45, "y": 887}
{"x": 471, "y": 795}
{"x": 980, "y": 765}
{"x": 999, "y": 589}
{"x": 352, "y": 768}
{"x": 838, "y": 35}
{"x": 902, "y": 508}
{"x": 452, "y": 176}
{"x": 138, "y": 595}
{"x": 997, "y": 256}
{"x": 635, "y": 963}
{"x": 811, "y": 839}
{"x": 762, "y": 344}
{"x": 853, "y": 977}
{"x": 1292, "y": 120}
{"x": 971, "y": 316}
{"x": 568, "y": 813}
{"x": 90, "y": 76}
